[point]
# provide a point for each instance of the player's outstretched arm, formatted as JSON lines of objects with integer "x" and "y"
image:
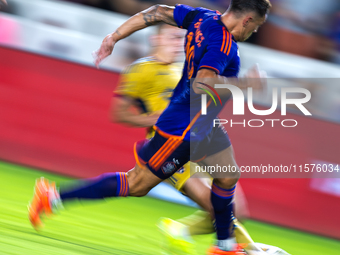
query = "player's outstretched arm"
{"x": 152, "y": 16}
{"x": 121, "y": 112}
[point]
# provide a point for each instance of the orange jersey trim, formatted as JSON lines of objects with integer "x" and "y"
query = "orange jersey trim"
{"x": 210, "y": 67}
{"x": 160, "y": 152}
{"x": 223, "y": 43}
{"x": 194, "y": 120}
{"x": 174, "y": 145}
{"x": 228, "y": 43}
{"x": 165, "y": 151}
{"x": 231, "y": 42}
{"x": 164, "y": 134}
{"x": 198, "y": 160}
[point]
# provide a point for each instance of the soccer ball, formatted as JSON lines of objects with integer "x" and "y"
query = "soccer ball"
{"x": 271, "y": 250}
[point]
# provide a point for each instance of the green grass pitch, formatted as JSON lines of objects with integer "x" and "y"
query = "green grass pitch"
{"x": 116, "y": 226}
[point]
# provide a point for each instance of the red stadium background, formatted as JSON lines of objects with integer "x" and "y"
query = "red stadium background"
{"x": 54, "y": 115}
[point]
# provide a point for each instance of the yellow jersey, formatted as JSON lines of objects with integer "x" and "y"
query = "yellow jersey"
{"x": 150, "y": 83}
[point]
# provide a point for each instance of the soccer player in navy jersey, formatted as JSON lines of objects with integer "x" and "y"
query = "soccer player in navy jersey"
{"x": 182, "y": 132}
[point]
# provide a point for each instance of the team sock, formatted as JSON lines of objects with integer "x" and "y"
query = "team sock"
{"x": 103, "y": 186}
{"x": 221, "y": 200}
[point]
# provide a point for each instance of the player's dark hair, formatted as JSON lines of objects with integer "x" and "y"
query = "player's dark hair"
{"x": 261, "y": 7}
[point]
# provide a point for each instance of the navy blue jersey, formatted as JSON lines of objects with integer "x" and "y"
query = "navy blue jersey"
{"x": 208, "y": 45}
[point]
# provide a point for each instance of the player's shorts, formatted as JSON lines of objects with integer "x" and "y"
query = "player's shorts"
{"x": 165, "y": 154}
{"x": 180, "y": 177}
{"x": 217, "y": 140}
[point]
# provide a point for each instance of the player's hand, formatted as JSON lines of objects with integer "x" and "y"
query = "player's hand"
{"x": 4, "y": 2}
{"x": 105, "y": 49}
{"x": 256, "y": 78}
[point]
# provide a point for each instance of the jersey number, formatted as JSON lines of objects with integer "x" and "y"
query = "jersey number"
{"x": 190, "y": 54}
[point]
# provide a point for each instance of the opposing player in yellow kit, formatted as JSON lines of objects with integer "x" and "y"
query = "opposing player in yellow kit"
{"x": 146, "y": 86}
{"x": 143, "y": 93}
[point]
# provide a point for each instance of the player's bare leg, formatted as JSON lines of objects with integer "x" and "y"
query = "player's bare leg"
{"x": 137, "y": 182}
{"x": 141, "y": 181}
{"x": 199, "y": 190}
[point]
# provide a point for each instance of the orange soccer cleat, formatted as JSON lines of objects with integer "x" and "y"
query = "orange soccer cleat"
{"x": 214, "y": 250}
{"x": 40, "y": 204}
